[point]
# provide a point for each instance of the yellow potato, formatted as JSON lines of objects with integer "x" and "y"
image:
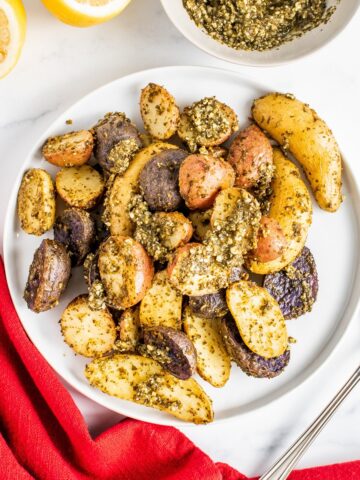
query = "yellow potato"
{"x": 69, "y": 150}
{"x": 297, "y": 127}
{"x": 291, "y": 207}
{"x": 128, "y": 330}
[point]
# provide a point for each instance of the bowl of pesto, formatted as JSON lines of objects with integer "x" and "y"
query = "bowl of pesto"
{"x": 260, "y": 32}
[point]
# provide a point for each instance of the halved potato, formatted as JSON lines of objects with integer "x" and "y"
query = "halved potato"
{"x": 290, "y": 206}
{"x": 142, "y": 380}
{"x": 213, "y": 361}
{"x": 128, "y": 330}
{"x": 200, "y": 220}
{"x": 159, "y": 111}
{"x": 258, "y": 318}
{"x": 162, "y": 303}
{"x": 294, "y": 125}
{"x": 36, "y": 202}
{"x": 116, "y": 214}
{"x": 88, "y": 332}
{"x": 126, "y": 271}
{"x": 175, "y": 229}
{"x": 80, "y": 187}
{"x": 69, "y": 150}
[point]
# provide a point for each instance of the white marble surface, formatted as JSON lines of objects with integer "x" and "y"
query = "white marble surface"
{"x": 60, "y": 64}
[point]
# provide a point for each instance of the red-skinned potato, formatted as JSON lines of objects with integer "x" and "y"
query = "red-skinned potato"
{"x": 250, "y": 153}
{"x": 201, "y": 177}
{"x": 271, "y": 240}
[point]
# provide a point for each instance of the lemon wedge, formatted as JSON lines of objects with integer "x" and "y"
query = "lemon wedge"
{"x": 12, "y": 34}
{"x": 85, "y": 13}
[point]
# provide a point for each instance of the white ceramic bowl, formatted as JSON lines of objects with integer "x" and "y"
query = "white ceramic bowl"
{"x": 300, "y": 47}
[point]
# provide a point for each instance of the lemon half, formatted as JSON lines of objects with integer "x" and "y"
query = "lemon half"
{"x": 85, "y": 13}
{"x": 12, "y": 34}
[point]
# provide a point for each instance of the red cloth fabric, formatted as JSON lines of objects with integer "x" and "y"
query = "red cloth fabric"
{"x": 43, "y": 435}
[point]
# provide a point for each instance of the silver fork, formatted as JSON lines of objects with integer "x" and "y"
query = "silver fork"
{"x": 285, "y": 464}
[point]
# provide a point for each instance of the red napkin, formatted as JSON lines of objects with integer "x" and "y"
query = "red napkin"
{"x": 43, "y": 434}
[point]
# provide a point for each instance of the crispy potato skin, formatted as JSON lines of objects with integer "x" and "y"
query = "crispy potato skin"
{"x": 291, "y": 207}
{"x": 36, "y": 202}
{"x": 201, "y": 177}
{"x": 297, "y": 127}
{"x": 271, "y": 240}
{"x": 69, "y": 150}
{"x": 248, "y": 154}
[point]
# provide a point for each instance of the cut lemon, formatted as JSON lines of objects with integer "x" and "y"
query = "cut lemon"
{"x": 12, "y": 34}
{"x": 85, "y": 13}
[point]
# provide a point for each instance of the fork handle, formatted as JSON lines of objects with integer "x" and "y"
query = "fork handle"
{"x": 286, "y": 463}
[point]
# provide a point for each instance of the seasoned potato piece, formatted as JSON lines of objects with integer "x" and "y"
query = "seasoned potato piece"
{"x": 36, "y": 202}
{"x": 80, "y": 187}
{"x": 193, "y": 272}
{"x": 209, "y": 306}
{"x": 174, "y": 229}
{"x": 250, "y": 154}
{"x": 128, "y": 330}
{"x": 258, "y": 318}
{"x": 271, "y": 240}
{"x": 295, "y": 126}
{"x": 201, "y": 223}
{"x": 126, "y": 271}
{"x": 290, "y": 206}
{"x": 159, "y": 111}
{"x": 201, "y": 177}
{"x": 162, "y": 303}
{"x": 69, "y": 150}
{"x": 88, "y": 332}
{"x": 116, "y": 215}
{"x": 213, "y": 361}
{"x": 142, "y": 380}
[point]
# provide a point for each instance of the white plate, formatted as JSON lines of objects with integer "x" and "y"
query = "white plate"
{"x": 300, "y": 47}
{"x": 333, "y": 239}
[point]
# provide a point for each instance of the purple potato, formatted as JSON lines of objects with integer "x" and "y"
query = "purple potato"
{"x": 91, "y": 269}
{"x": 49, "y": 274}
{"x": 159, "y": 180}
{"x": 212, "y": 305}
{"x": 75, "y": 229}
{"x": 296, "y": 286}
{"x": 172, "y": 349}
{"x": 252, "y": 364}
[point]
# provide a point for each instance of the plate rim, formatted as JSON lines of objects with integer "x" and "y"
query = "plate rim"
{"x": 324, "y": 355}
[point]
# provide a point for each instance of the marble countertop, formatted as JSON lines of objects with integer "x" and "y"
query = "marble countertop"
{"x": 60, "y": 64}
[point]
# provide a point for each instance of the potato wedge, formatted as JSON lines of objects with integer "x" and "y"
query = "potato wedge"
{"x": 213, "y": 361}
{"x": 80, "y": 187}
{"x": 200, "y": 220}
{"x": 162, "y": 303}
{"x": 142, "y": 380}
{"x": 295, "y": 126}
{"x": 36, "y": 202}
{"x": 88, "y": 332}
{"x": 258, "y": 318}
{"x": 175, "y": 229}
{"x": 69, "y": 150}
{"x": 159, "y": 111}
{"x": 128, "y": 330}
{"x": 290, "y": 206}
{"x": 116, "y": 215}
{"x": 126, "y": 271}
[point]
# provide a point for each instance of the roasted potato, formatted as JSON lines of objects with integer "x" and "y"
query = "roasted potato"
{"x": 69, "y": 150}
{"x": 161, "y": 305}
{"x": 209, "y": 306}
{"x": 172, "y": 349}
{"x": 142, "y": 380}
{"x": 258, "y": 318}
{"x": 49, "y": 274}
{"x": 175, "y": 230}
{"x": 249, "y": 362}
{"x": 290, "y": 206}
{"x": 250, "y": 154}
{"x": 75, "y": 229}
{"x": 200, "y": 220}
{"x": 295, "y": 126}
{"x": 159, "y": 111}
{"x": 128, "y": 330}
{"x": 271, "y": 240}
{"x": 193, "y": 272}
{"x": 118, "y": 197}
{"x": 159, "y": 180}
{"x": 126, "y": 271}
{"x": 88, "y": 332}
{"x": 36, "y": 202}
{"x": 80, "y": 187}
{"x": 213, "y": 361}
{"x": 97, "y": 295}
{"x": 117, "y": 139}
{"x": 201, "y": 177}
